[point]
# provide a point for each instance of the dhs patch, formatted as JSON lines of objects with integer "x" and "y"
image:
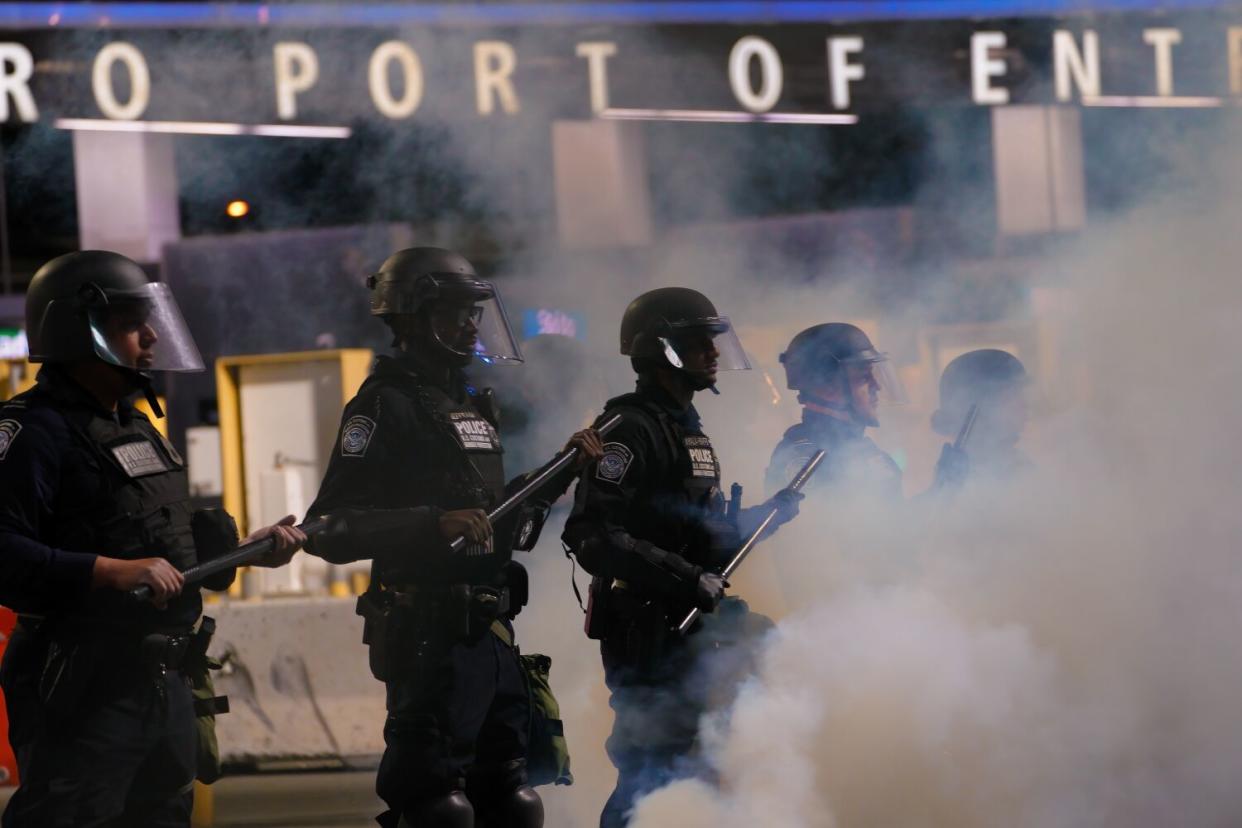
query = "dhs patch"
{"x": 8, "y": 433}
{"x": 356, "y": 436}
{"x": 615, "y": 462}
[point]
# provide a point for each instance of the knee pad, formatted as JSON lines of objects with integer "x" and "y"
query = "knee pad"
{"x": 502, "y": 797}
{"x": 451, "y": 810}
{"x": 521, "y": 808}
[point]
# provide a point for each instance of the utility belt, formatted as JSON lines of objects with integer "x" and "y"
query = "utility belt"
{"x": 406, "y": 619}
{"x": 78, "y": 652}
{"x": 171, "y": 648}
{"x": 483, "y": 601}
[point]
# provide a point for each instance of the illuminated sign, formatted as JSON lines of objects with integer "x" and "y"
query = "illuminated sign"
{"x": 539, "y": 321}
{"x": 314, "y": 82}
{"x": 13, "y": 344}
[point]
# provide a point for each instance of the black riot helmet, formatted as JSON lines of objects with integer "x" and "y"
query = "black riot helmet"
{"x": 72, "y": 297}
{"x": 78, "y": 304}
{"x": 659, "y": 326}
{"x": 440, "y": 288}
{"x": 982, "y": 378}
{"x": 819, "y": 357}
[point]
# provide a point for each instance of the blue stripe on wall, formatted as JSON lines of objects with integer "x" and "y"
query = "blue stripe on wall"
{"x": 201, "y": 15}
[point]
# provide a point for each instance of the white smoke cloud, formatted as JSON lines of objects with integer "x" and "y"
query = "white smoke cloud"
{"x": 1062, "y": 652}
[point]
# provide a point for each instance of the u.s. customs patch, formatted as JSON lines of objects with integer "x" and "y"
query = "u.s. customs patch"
{"x": 8, "y": 433}
{"x": 615, "y": 462}
{"x": 356, "y": 435}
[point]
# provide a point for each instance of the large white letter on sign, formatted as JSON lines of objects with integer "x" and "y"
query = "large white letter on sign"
{"x": 1163, "y": 41}
{"x": 381, "y": 90}
{"x": 297, "y": 69}
{"x": 984, "y": 67}
{"x": 841, "y": 71}
{"x": 1082, "y": 67}
{"x": 139, "y": 81}
{"x": 771, "y": 74}
{"x": 16, "y": 67}
{"x": 597, "y": 54}
{"x": 494, "y": 62}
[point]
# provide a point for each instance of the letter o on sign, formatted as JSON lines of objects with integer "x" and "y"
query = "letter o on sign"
{"x": 381, "y": 90}
{"x": 139, "y": 81}
{"x": 772, "y": 76}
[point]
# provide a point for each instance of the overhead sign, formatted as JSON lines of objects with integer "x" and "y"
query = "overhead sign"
{"x": 327, "y": 78}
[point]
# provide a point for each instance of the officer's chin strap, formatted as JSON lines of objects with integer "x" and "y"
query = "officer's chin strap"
{"x": 141, "y": 380}
{"x": 149, "y": 393}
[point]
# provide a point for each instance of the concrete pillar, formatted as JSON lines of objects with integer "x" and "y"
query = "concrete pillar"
{"x": 602, "y": 198}
{"x": 1037, "y": 154}
{"x": 127, "y": 192}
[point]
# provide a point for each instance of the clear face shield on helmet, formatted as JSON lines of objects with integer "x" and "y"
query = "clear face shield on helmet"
{"x": 470, "y": 322}
{"x": 872, "y": 372}
{"x": 704, "y": 346}
{"x": 144, "y": 331}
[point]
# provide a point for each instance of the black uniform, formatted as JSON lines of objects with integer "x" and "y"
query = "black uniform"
{"x": 852, "y": 463}
{"x": 648, "y": 519}
{"x": 457, "y": 701}
{"x": 100, "y": 712}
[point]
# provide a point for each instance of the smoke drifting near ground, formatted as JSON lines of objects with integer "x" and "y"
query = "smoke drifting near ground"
{"x": 1063, "y": 652}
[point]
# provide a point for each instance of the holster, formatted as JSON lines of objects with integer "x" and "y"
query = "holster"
{"x": 595, "y": 625}
{"x": 635, "y": 628}
{"x": 518, "y": 582}
{"x": 375, "y": 607}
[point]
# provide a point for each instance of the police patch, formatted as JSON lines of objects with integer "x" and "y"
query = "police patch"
{"x": 615, "y": 462}
{"x": 702, "y": 457}
{"x": 356, "y": 436}
{"x": 474, "y": 432}
{"x": 139, "y": 458}
{"x": 8, "y": 433}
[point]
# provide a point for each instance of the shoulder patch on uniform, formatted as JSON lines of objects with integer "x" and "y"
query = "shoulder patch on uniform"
{"x": 8, "y": 433}
{"x": 356, "y": 436}
{"x": 615, "y": 462}
{"x": 798, "y": 452}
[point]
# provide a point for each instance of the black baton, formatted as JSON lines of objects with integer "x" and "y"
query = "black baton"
{"x": 800, "y": 479}
{"x": 242, "y": 555}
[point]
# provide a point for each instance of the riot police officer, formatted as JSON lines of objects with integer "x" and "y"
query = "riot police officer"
{"x": 996, "y": 384}
{"x": 651, "y": 525}
{"x": 841, "y": 379}
{"x": 94, "y": 502}
{"x": 417, "y": 464}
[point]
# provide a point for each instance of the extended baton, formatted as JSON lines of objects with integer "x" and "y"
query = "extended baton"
{"x": 242, "y": 555}
{"x": 795, "y": 485}
{"x": 558, "y": 465}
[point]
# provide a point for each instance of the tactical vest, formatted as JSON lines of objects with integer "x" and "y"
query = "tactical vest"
{"x": 685, "y": 511}
{"x": 459, "y": 464}
{"x": 139, "y": 508}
